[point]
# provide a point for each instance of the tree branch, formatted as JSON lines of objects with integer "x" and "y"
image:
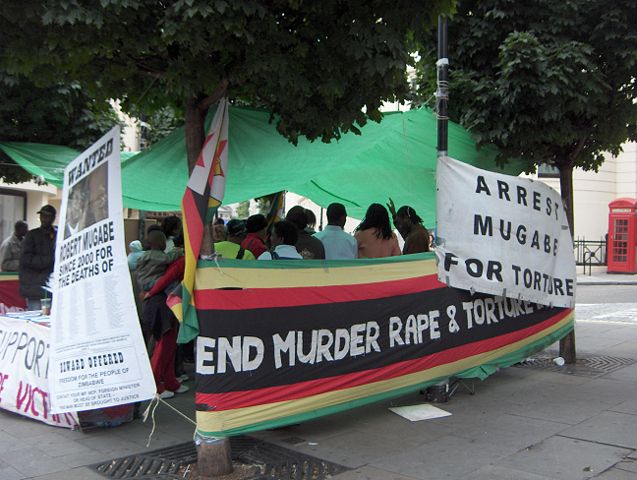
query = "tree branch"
{"x": 204, "y": 104}
{"x": 578, "y": 149}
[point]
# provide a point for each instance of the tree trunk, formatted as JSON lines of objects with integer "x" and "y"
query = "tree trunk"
{"x": 567, "y": 344}
{"x": 213, "y": 459}
{"x": 194, "y": 131}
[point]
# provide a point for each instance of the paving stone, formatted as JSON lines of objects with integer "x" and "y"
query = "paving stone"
{"x": 565, "y": 458}
{"x": 495, "y": 472}
{"x": 354, "y": 448}
{"x": 56, "y": 445}
{"x": 628, "y": 464}
{"x": 608, "y": 427}
{"x": 447, "y": 458}
{"x": 74, "y": 474}
{"x": 573, "y": 404}
{"x": 10, "y": 473}
{"x": 31, "y": 462}
{"x": 510, "y": 432}
{"x": 9, "y": 443}
{"x": 615, "y": 474}
{"x": 84, "y": 458}
{"x": 22, "y": 427}
{"x": 629, "y": 406}
{"x": 626, "y": 374}
{"x": 370, "y": 473}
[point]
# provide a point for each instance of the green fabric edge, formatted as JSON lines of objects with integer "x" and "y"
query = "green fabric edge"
{"x": 481, "y": 372}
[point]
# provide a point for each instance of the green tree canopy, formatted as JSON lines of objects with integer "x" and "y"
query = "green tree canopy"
{"x": 547, "y": 82}
{"x": 62, "y": 114}
{"x": 316, "y": 65}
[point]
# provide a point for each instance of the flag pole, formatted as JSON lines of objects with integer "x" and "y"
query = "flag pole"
{"x": 442, "y": 92}
{"x": 443, "y": 390}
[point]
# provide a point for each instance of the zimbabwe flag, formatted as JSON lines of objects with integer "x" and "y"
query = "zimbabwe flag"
{"x": 283, "y": 342}
{"x": 204, "y": 193}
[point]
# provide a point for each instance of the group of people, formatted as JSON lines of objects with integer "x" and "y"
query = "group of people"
{"x": 295, "y": 238}
{"x": 157, "y": 263}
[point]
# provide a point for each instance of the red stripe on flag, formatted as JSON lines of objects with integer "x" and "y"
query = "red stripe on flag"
{"x": 297, "y": 296}
{"x": 247, "y": 398}
{"x": 193, "y": 222}
{"x": 200, "y": 161}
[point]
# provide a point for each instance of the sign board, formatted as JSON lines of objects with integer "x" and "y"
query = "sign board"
{"x": 98, "y": 356}
{"x": 503, "y": 235}
{"x": 24, "y": 369}
{"x": 321, "y": 337}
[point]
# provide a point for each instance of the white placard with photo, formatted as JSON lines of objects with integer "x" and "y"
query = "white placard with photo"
{"x": 98, "y": 356}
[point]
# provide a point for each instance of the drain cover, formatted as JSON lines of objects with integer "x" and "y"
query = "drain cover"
{"x": 585, "y": 366}
{"x": 263, "y": 461}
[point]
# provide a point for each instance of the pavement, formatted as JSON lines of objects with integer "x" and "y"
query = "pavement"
{"x": 599, "y": 276}
{"x": 521, "y": 424}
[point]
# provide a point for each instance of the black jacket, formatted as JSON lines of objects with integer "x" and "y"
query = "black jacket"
{"x": 36, "y": 262}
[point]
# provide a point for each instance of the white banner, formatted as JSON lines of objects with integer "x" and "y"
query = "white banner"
{"x": 98, "y": 356}
{"x": 24, "y": 369}
{"x": 503, "y": 235}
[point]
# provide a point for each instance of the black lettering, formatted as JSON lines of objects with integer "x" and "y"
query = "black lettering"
{"x": 482, "y": 227}
{"x": 505, "y": 232}
{"x": 535, "y": 243}
{"x": 521, "y": 235}
{"x": 521, "y": 195}
{"x": 494, "y": 269}
{"x": 516, "y": 270}
{"x": 474, "y": 267}
{"x": 537, "y": 198}
{"x": 503, "y": 190}
{"x": 450, "y": 259}
{"x": 482, "y": 186}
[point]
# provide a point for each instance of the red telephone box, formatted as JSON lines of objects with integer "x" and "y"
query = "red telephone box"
{"x": 622, "y": 236}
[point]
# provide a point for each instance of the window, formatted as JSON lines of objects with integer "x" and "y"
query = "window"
{"x": 13, "y": 207}
{"x": 547, "y": 171}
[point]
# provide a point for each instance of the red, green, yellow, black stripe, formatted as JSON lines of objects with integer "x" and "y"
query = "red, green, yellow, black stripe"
{"x": 204, "y": 193}
{"x": 327, "y": 336}
{"x": 10, "y": 298}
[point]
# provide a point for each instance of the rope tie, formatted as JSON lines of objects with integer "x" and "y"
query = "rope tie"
{"x": 150, "y": 410}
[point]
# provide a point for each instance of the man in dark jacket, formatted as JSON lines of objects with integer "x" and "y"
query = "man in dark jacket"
{"x": 38, "y": 256}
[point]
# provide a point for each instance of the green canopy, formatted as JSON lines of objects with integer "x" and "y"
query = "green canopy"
{"x": 47, "y": 161}
{"x": 396, "y": 158}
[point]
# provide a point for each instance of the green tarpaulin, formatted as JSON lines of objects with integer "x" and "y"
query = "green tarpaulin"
{"x": 396, "y": 158}
{"x": 43, "y": 160}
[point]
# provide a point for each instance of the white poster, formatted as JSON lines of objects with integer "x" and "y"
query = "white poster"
{"x": 503, "y": 235}
{"x": 98, "y": 356}
{"x": 24, "y": 370}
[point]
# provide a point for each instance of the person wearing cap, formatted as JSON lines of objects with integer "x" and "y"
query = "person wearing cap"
{"x": 231, "y": 248}
{"x": 410, "y": 227}
{"x": 37, "y": 259}
{"x": 257, "y": 232}
{"x": 11, "y": 248}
